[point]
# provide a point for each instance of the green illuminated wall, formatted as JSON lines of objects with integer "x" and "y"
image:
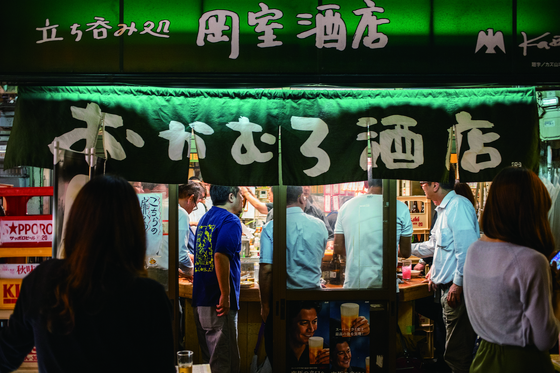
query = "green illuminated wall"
{"x": 423, "y": 37}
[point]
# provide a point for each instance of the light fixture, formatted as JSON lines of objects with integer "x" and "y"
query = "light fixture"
{"x": 550, "y": 101}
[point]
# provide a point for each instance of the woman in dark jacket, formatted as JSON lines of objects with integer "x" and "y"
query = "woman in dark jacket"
{"x": 94, "y": 310}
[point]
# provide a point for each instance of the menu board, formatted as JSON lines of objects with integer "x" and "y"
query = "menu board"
{"x": 151, "y": 205}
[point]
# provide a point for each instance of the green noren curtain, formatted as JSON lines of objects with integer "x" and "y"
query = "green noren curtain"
{"x": 321, "y": 136}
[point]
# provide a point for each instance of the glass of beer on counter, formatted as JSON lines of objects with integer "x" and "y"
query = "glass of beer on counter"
{"x": 348, "y": 313}
{"x": 185, "y": 361}
{"x": 315, "y": 346}
{"x": 367, "y": 364}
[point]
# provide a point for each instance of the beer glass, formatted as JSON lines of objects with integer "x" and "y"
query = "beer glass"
{"x": 315, "y": 346}
{"x": 348, "y": 313}
{"x": 185, "y": 361}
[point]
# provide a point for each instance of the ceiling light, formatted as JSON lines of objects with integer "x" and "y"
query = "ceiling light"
{"x": 550, "y": 101}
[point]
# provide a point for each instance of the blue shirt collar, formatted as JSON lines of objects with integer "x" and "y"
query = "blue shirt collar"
{"x": 294, "y": 210}
{"x": 447, "y": 198}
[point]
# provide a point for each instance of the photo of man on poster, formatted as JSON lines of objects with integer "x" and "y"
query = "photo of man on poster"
{"x": 341, "y": 356}
{"x": 308, "y": 336}
{"x": 349, "y": 336}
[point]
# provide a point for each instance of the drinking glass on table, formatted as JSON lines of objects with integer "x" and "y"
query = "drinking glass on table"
{"x": 406, "y": 269}
{"x": 185, "y": 361}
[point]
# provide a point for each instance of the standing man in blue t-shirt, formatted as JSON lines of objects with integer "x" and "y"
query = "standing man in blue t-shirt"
{"x": 216, "y": 283}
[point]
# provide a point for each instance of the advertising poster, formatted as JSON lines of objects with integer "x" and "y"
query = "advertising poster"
{"x": 308, "y": 336}
{"x": 350, "y": 335}
{"x": 328, "y": 337}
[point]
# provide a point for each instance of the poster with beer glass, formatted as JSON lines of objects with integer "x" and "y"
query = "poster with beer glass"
{"x": 308, "y": 337}
{"x": 328, "y": 337}
{"x": 349, "y": 342}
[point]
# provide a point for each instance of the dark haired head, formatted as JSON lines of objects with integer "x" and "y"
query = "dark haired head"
{"x": 192, "y": 188}
{"x": 296, "y": 306}
{"x": 220, "y": 194}
{"x": 194, "y": 178}
{"x": 374, "y": 183}
{"x": 449, "y": 180}
{"x": 292, "y": 194}
{"x": 149, "y": 186}
{"x": 338, "y": 356}
{"x": 463, "y": 189}
{"x": 517, "y": 208}
{"x": 105, "y": 237}
{"x": 109, "y": 208}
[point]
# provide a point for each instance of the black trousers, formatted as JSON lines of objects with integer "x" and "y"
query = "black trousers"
{"x": 268, "y": 338}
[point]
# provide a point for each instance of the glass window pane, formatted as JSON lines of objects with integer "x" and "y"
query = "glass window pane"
{"x": 357, "y": 213}
{"x": 257, "y": 204}
{"x": 334, "y": 237}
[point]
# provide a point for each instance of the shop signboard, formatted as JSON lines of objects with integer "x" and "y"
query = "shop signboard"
{"x": 21, "y": 231}
{"x": 422, "y": 38}
{"x": 16, "y": 270}
{"x": 151, "y": 205}
{"x": 145, "y": 133}
{"x": 9, "y": 288}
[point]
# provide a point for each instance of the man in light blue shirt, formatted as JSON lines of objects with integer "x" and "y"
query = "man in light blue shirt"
{"x": 455, "y": 230}
{"x": 306, "y": 240}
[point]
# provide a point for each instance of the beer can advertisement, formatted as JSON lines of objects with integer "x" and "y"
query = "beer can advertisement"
{"x": 328, "y": 337}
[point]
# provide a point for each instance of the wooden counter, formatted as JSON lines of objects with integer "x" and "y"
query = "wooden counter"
{"x": 411, "y": 290}
{"x": 414, "y": 289}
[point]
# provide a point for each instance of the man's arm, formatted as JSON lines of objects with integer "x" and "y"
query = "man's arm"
{"x": 258, "y": 205}
{"x": 221, "y": 261}
{"x": 405, "y": 247}
{"x": 424, "y": 249}
{"x": 339, "y": 245}
{"x": 186, "y": 267}
{"x": 265, "y": 288}
{"x": 465, "y": 232}
{"x": 404, "y": 225}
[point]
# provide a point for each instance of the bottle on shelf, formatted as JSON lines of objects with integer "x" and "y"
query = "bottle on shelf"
{"x": 335, "y": 270}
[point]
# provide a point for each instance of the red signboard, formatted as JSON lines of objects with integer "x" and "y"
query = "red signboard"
{"x": 26, "y": 231}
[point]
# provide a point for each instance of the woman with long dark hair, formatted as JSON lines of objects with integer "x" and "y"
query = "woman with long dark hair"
{"x": 94, "y": 310}
{"x": 508, "y": 279}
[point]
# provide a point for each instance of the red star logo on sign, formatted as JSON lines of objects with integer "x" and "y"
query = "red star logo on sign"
{"x": 13, "y": 228}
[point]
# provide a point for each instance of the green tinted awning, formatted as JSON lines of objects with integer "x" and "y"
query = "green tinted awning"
{"x": 322, "y": 135}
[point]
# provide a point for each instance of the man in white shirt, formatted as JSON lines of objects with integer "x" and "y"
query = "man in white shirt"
{"x": 358, "y": 236}
{"x": 363, "y": 246}
{"x": 188, "y": 197}
{"x": 455, "y": 230}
